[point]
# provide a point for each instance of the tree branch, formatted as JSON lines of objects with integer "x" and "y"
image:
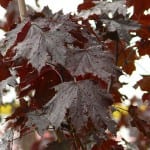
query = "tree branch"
{"x": 22, "y": 9}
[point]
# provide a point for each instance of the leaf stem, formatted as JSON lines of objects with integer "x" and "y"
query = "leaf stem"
{"x": 22, "y": 9}
{"x": 117, "y": 51}
{"x": 109, "y": 85}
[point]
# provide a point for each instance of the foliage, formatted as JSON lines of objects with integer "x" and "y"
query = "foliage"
{"x": 68, "y": 72}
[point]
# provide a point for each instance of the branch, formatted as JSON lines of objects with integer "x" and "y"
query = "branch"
{"x": 22, "y": 9}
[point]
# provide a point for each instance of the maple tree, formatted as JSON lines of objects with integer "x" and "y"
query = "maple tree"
{"x": 65, "y": 71}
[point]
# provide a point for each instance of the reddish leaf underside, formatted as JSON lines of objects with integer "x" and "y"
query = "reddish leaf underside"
{"x": 144, "y": 83}
{"x": 126, "y": 60}
{"x": 86, "y": 5}
{"x": 144, "y": 47}
{"x": 139, "y": 7}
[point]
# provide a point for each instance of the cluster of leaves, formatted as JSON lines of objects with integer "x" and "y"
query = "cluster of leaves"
{"x": 66, "y": 71}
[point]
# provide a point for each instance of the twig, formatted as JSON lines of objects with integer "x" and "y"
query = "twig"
{"x": 22, "y": 9}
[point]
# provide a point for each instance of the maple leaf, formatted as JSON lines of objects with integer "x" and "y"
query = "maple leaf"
{"x": 91, "y": 60}
{"x": 117, "y": 22}
{"x": 41, "y": 47}
{"x": 85, "y": 101}
{"x": 123, "y": 27}
{"x": 35, "y": 52}
{"x": 103, "y": 7}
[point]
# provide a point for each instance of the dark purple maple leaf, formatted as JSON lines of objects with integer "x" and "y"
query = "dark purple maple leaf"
{"x": 42, "y": 47}
{"x": 123, "y": 27}
{"x": 84, "y": 100}
{"x": 34, "y": 48}
{"x": 91, "y": 60}
{"x": 104, "y": 7}
{"x": 114, "y": 16}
